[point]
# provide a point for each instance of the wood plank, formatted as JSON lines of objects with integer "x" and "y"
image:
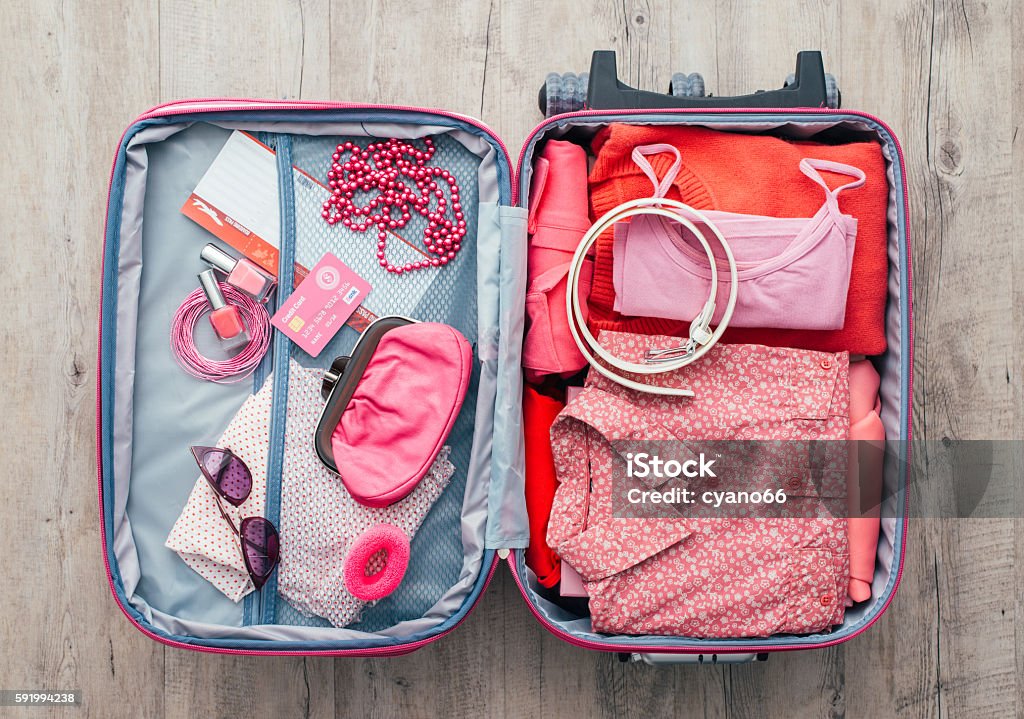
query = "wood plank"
{"x": 693, "y": 43}
{"x": 419, "y": 54}
{"x": 463, "y": 674}
{"x": 1015, "y": 374}
{"x": 547, "y": 676}
{"x": 240, "y": 48}
{"x": 968, "y": 157}
{"x": 199, "y": 684}
{"x": 639, "y": 32}
{"x": 757, "y": 43}
{"x": 60, "y": 628}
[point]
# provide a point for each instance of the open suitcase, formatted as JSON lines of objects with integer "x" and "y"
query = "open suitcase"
{"x": 149, "y": 411}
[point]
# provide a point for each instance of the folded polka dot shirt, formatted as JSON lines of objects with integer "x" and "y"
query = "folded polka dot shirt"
{"x": 319, "y": 519}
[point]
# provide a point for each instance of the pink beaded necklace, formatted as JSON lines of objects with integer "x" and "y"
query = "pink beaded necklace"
{"x": 406, "y": 184}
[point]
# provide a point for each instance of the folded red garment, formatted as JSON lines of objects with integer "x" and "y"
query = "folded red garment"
{"x": 539, "y": 412}
{"x": 750, "y": 174}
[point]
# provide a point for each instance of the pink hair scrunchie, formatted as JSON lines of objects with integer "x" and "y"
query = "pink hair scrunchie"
{"x": 378, "y": 585}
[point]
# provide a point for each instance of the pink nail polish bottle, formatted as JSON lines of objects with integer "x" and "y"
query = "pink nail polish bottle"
{"x": 241, "y": 273}
{"x": 225, "y": 319}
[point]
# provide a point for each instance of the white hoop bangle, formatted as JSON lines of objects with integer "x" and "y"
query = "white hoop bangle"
{"x": 657, "y": 361}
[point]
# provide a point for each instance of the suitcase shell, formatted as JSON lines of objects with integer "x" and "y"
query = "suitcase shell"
{"x": 134, "y": 412}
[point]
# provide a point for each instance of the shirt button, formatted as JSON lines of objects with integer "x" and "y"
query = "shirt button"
{"x": 793, "y": 482}
{"x": 826, "y": 600}
{"x": 826, "y": 363}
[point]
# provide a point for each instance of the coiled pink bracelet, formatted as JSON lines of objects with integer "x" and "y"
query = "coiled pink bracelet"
{"x": 235, "y": 368}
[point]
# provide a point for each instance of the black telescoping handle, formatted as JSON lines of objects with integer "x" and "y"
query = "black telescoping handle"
{"x": 606, "y": 92}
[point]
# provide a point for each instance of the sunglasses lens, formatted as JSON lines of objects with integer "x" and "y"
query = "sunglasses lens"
{"x": 261, "y": 547}
{"x": 229, "y": 474}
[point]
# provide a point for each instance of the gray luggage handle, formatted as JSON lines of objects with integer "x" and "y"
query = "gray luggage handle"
{"x": 601, "y": 89}
{"x": 607, "y": 92}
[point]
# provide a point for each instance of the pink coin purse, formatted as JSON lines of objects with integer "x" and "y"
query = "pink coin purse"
{"x": 391, "y": 405}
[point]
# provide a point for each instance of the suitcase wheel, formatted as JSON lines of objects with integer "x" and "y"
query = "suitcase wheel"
{"x": 833, "y": 98}
{"x": 683, "y": 85}
{"x": 563, "y": 93}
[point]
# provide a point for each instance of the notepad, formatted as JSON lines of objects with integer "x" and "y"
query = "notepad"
{"x": 237, "y": 200}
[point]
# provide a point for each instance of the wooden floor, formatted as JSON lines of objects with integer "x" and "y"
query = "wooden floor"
{"x": 74, "y": 74}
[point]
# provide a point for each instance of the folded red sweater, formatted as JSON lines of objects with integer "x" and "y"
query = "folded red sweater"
{"x": 752, "y": 174}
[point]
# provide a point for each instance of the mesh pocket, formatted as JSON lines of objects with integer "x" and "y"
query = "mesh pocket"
{"x": 445, "y": 294}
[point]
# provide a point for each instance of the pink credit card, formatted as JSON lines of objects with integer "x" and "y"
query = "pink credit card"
{"x": 321, "y": 304}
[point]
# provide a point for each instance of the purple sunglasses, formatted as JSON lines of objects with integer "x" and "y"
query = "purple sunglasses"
{"x": 231, "y": 480}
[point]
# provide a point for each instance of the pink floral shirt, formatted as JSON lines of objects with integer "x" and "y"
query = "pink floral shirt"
{"x": 704, "y": 577}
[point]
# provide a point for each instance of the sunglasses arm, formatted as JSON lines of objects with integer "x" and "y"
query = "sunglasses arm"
{"x": 231, "y": 522}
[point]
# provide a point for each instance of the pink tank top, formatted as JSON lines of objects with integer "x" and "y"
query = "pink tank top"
{"x": 793, "y": 273}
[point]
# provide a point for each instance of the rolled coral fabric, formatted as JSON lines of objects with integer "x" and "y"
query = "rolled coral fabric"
{"x": 557, "y": 222}
{"x": 867, "y": 437}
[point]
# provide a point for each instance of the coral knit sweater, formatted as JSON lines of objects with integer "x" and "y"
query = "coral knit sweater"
{"x": 757, "y": 175}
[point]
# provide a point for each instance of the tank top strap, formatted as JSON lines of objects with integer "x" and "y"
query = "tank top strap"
{"x": 640, "y": 154}
{"x": 811, "y": 166}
